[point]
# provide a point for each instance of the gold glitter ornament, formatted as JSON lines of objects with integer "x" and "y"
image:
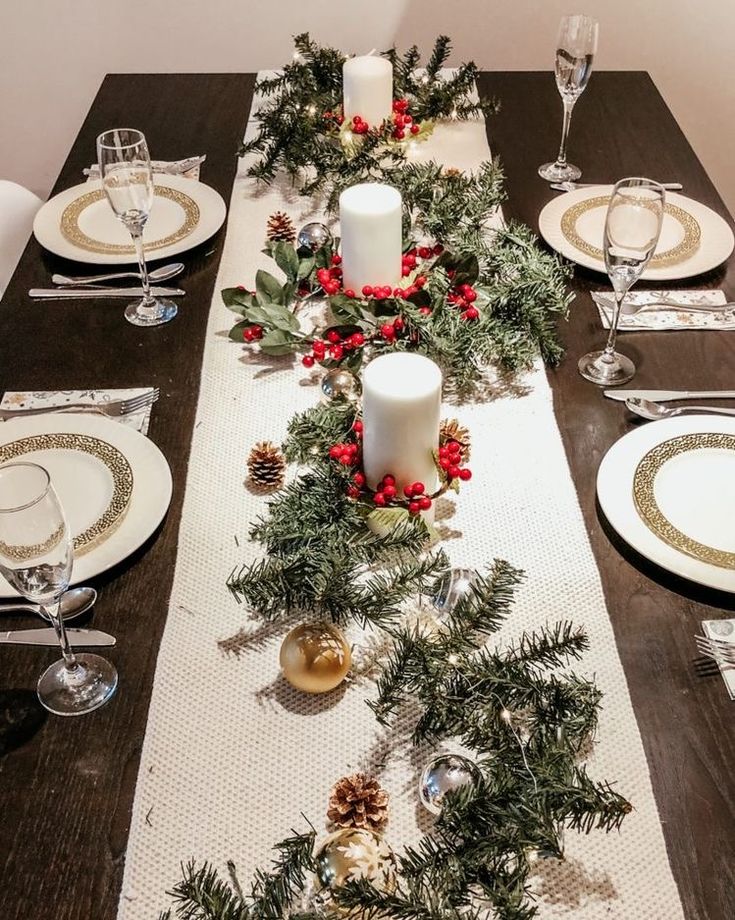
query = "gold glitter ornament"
{"x": 351, "y": 854}
{"x": 315, "y": 657}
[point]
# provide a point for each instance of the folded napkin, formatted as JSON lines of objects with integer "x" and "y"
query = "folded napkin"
{"x": 666, "y": 317}
{"x": 32, "y": 400}
{"x": 723, "y": 629}
{"x": 188, "y": 168}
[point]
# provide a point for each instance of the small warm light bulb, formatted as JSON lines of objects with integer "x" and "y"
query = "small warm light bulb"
{"x": 453, "y": 659}
{"x": 505, "y": 715}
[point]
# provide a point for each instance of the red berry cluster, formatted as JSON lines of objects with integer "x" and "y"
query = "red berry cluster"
{"x": 418, "y": 500}
{"x": 359, "y": 126}
{"x": 402, "y": 120}
{"x": 334, "y": 348}
{"x": 450, "y": 459}
{"x": 463, "y": 298}
{"x": 331, "y": 278}
{"x": 338, "y": 118}
{"x": 252, "y": 333}
{"x": 389, "y": 331}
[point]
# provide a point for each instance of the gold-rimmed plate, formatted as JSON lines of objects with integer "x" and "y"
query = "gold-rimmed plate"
{"x": 92, "y": 478}
{"x": 668, "y": 489}
{"x": 113, "y": 482}
{"x": 79, "y": 223}
{"x": 694, "y": 239}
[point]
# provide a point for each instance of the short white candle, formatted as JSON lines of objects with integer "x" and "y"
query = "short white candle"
{"x": 401, "y": 406}
{"x": 367, "y": 88}
{"x": 370, "y": 228}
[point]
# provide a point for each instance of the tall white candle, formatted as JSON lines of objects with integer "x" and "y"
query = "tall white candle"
{"x": 370, "y": 228}
{"x": 401, "y": 405}
{"x": 367, "y": 88}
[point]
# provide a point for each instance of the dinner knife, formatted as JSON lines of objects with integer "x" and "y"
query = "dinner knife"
{"x": 95, "y": 293}
{"x": 47, "y": 636}
{"x": 668, "y": 395}
{"x": 573, "y": 186}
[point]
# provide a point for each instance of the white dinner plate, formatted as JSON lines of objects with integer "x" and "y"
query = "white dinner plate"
{"x": 694, "y": 239}
{"x": 79, "y": 224}
{"x": 113, "y": 483}
{"x": 668, "y": 489}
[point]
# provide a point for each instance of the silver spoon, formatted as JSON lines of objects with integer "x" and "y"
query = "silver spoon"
{"x": 654, "y": 411}
{"x": 74, "y": 603}
{"x": 162, "y": 273}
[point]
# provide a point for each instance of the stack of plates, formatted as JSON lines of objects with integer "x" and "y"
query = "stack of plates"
{"x": 113, "y": 483}
{"x": 79, "y": 223}
{"x": 694, "y": 239}
{"x": 668, "y": 489}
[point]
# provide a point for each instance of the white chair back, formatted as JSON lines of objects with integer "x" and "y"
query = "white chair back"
{"x": 18, "y": 207}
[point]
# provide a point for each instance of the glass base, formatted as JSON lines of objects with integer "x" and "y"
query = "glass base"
{"x": 604, "y": 370}
{"x": 556, "y": 172}
{"x": 83, "y": 689}
{"x": 157, "y": 313}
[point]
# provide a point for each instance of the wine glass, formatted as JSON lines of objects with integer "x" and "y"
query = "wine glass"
{"x": 632, "y": 228}
{"x": 125, "y": 171}
{"x": 36, "y": 555}
{"x": 575, "y": 49}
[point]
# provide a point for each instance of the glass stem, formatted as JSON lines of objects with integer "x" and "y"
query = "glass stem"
{"x": 561, "y": 160}
{"x": 136, "y": 232}
{"x": 53, "y": 613}
{"x": 608, "y": 355}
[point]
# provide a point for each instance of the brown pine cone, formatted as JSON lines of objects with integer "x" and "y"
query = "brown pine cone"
{"x": 266, "y": 466}
{"x": 451, "y": 430}
{"x": 358, "y": 801}
{"x": 280, "y": 228}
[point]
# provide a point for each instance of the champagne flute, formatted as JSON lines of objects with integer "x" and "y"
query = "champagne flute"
{"x": 632, "y": 228}
{"x": 125, "y": 171}
{"x": 575, "y": 50}
{"x": 36, "y": 555}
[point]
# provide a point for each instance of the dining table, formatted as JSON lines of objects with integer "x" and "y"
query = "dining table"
{"x": 67, "y": 791}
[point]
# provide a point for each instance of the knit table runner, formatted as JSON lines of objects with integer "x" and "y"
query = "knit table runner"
{"x": 233, "y": 756}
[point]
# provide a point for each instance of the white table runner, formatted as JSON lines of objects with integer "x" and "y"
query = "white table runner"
{"x": 233, "y": 756}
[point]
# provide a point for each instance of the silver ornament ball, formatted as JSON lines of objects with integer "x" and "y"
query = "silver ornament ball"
{"x": 313, "y": 236}
{"x": 340, "y": 382}
{"x": 454, "y": 586}
{"x": 444, "y": 774}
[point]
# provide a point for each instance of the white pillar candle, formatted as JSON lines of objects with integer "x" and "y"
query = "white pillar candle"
{"x": 401, "y": 406}
{"x": 367, "y": 88}
{"x": 370, "y": 229}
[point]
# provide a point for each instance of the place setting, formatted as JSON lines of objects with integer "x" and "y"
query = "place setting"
{"x": 129, "y": 209}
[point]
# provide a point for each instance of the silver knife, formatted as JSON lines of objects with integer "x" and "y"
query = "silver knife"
{"x": 668, "y": 395}
{"x": 95, "y": 293}
{"x": 573, "y": 186}
{"x": 47, "y": 636}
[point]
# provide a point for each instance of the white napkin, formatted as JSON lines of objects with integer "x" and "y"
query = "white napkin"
{"x": 162, "y": 166}
{"x": 666, "y": 318}
{"x": 18, "y": 399}
{"x": 723, "y": 629}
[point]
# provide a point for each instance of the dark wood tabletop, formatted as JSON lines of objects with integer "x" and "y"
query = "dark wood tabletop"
{"x": 67, "y": 789}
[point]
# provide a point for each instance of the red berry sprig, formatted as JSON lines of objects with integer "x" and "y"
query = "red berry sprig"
{"x": 450, "y": 461}
{"x": 403, "y": 120}
{"x": 252, "y": 333}
{"x": 463, "y": 298}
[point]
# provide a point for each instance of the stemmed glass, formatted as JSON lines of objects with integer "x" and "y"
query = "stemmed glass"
{"x": 125, "y": 171}
{"x": 632, "y": 228}
{"x": 575, "y": 49}
{"x": 36, "y": 557}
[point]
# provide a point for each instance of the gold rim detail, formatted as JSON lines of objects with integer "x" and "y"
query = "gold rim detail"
{"x": 686, "y": 248}
{"x": 72, "y": 232}
{"x": 648, "y": 508}
{"x": 116, "y": 463}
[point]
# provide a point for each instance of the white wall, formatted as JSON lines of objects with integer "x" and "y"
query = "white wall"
{"x": 55, "y": 53}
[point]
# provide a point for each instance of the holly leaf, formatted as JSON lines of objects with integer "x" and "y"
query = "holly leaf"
{"x": 383, "y": 520}
{"x": 279, "y": 342}
{"x": 274, "y": 315}
{"x": 345, "y": 309}
{"x": 237, "y": 330}
{"x": 236, "y": 299}
{"x": 286, "y": 259}
{"x": 306, "y": 267}
{"x": 267, "y": 288}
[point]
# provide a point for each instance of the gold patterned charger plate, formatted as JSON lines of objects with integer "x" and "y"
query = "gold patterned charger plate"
{"x": 694, "y": 239}
{"x": 79, "y": 223}
{"x": 668, "y": 489}
{"x": 113, "y": 482}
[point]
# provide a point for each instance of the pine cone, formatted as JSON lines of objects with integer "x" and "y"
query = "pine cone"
{"x": 358, "y": 801}
{"x": 266, "y": 465}
{"x": 451, "y": 430}
{"x": 280, "y": 228}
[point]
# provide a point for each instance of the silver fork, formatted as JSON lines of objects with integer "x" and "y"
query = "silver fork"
{"x": 720, "y": 650}
{"x": 114, "y": 409}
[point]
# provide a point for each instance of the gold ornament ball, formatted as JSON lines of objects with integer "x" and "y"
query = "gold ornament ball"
{"x": 351, "y": 854}
{"x": 315, "y": 657}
